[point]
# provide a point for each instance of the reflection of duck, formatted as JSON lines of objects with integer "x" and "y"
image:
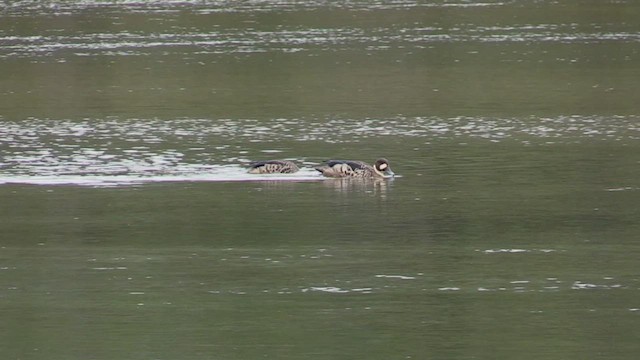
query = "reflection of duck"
{"x": 357, "y": 169}
{"x": 273, "y": 167}
{"x": 377, "y": 186}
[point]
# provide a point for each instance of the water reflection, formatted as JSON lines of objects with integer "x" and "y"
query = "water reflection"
{"x": 379, "y": 187}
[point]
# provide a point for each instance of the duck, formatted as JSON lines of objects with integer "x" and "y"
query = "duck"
{"x": 273, "y": 167}
{"x": 356, "y": 169}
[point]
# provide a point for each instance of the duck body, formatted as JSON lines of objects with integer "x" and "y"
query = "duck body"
{"x": 273, "y": 167}
{"x": 355, "y": 169}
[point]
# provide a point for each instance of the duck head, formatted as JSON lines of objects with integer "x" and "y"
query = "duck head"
{"x": 382, "y": 168}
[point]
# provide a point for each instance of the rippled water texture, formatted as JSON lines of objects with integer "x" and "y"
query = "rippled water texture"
{"x": 111, "y": 152}
{"x": 130, "y": 229}
{"x": 286, "y": 38}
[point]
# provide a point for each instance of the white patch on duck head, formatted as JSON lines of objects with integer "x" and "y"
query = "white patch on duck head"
{"x": 382, "y": 168}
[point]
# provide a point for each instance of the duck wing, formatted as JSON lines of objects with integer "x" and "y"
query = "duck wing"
{"x": 353, "y": 164}
{"x": 265, "y": 162}
{"x": 272, "y": 166}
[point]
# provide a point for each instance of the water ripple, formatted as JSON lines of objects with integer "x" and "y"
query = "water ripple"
{"x": 139, "y": 150}
{"x": 230, "y": 6}
{"x": 283, "y": 40}
{"x": 253, "y": 37}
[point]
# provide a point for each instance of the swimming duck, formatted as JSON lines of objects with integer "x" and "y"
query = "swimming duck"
{"x": 273, "y": 167}
{"x": 356, "y": 169}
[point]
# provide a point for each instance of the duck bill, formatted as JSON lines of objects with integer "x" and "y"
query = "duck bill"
{"x": 389, "y": 173}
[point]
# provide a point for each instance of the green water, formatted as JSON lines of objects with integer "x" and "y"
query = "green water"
{"x": 511, "y": 233}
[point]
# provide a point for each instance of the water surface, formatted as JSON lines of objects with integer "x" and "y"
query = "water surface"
{"x": 130, "y": 229}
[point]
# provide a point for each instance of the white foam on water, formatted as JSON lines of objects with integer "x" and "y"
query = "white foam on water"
{"x": 224, "y": 174}
{"x": 337, "y": 290}
{"x": 401, "y": 277}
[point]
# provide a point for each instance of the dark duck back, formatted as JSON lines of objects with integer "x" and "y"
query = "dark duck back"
{"x": 273, "y": 167}
{"x": 355, "y": 169}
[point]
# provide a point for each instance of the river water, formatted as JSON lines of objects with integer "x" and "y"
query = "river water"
{"x": 129, "y": 228}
